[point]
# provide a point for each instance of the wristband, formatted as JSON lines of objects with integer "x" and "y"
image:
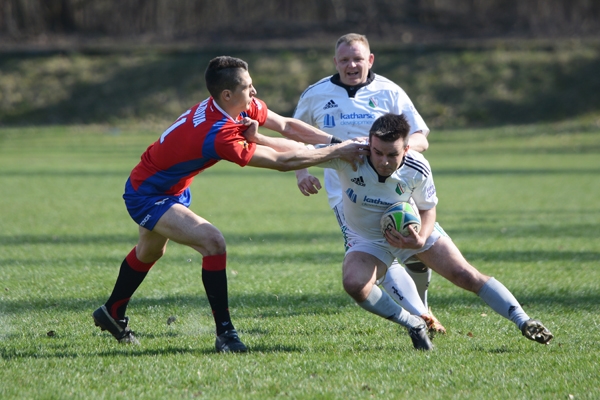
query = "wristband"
{"x": 335, "y": 140}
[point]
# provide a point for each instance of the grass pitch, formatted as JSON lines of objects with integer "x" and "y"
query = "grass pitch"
{"x": 521, "y": 202}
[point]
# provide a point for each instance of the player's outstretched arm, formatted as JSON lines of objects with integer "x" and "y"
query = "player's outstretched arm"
{"x": 267, "y": 157}
{"x": 296, "y": 129}
{"x": 278, "y": 144}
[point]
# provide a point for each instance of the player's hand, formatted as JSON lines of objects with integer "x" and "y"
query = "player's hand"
{"x": 412, "y": 241}
{"x": 251, "y": 129}
{"x": 353, "y": 152}
{"x": 307, "y": 183}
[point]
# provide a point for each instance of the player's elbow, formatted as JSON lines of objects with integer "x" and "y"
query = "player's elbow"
{"x": 287, "y": 166}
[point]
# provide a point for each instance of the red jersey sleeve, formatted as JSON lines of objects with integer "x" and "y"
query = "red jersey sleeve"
{"x": 258, "y": 111}
{"x": 236, "y": 149}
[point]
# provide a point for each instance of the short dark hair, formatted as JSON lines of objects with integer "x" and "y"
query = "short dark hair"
{"x": 390, "y": 127}
{"x": 222, "y": 74}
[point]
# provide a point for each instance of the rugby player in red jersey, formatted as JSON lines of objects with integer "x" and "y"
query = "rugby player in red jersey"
{"x": 157, "y": 194}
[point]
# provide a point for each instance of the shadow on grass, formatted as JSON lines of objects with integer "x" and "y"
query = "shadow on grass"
{"x": 534, "y": 228}
{"x": 259, "y": 239}
{"x": 129, "y": 351}
{"x": 247, "y": 307}
{"x": 265, "y": 305}
{"x": 478, "y": 258}
{"x": 138, "y": 351}
{"x": 259, "y": 305}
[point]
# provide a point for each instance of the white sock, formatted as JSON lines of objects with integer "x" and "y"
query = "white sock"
{"x": 380, "y": 303}
{"x": 421, "y": 279}
{"x": 501, "y": 300}
{"x": 399, "y": 285}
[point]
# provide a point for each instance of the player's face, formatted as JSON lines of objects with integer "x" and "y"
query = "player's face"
{"x": 353, "y": 62}
{"x": 386, "y": 157}
{"x": 243, "y": 93}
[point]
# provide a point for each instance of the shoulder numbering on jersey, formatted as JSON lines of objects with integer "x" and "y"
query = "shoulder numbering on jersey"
{"x": 418, "y": 163}
{"x": 314, "y": 85}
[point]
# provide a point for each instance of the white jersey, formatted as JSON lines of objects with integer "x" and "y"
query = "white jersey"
{"x": 366, "y": 194}
{"x": 348, "y": 113}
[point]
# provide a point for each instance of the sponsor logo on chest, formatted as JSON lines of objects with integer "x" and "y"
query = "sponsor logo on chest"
{"x": 375, "y": 201}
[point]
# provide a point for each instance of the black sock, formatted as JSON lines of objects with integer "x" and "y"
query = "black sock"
{"x": 131, "y": 275}
{"x": 214, "y": 278}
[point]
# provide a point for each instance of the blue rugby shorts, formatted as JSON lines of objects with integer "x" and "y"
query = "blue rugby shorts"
{"x": 147, "y": 210}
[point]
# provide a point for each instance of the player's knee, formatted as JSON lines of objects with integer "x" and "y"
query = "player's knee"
{"x": 213, "y": 244}
{"x": 149, "y": 254}
{"x": 354, "y": 288}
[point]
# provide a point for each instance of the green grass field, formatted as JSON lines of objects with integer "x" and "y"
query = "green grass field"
{"x": 523, "y": 203}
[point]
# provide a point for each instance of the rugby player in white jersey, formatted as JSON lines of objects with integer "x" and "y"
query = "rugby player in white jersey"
{"x": 345, "y": 106}
{"x": 393, "y": 173}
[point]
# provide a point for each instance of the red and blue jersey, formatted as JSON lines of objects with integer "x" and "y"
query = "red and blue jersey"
{"x": 198, "y": 139}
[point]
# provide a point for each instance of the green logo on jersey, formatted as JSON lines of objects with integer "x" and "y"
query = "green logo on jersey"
{"x": 399, "y": 189}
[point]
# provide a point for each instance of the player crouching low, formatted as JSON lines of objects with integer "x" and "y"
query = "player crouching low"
{"x": 392, "y": 173}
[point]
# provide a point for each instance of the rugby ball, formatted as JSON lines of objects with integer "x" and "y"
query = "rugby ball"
{"x": 400, "y": 216}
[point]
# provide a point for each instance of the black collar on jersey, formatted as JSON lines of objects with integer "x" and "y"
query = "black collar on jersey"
{"x": 381, "y": 178}
{"x": 351, "y": 90}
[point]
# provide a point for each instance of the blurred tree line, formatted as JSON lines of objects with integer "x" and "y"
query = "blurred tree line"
{"x": 209, "y": 21}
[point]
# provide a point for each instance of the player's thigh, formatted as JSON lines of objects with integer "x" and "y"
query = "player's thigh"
{"x": 185, "y": 227}
{"x": 447, "y": 260}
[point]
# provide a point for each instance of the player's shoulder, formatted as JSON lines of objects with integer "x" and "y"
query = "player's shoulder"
{"x": 385, "y": 82}
{"x": 417, "y": 161}
{"x": 381, "y": 83}
{"x": 317, "y": 87}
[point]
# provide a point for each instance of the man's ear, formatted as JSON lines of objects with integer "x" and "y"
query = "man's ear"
{"x": 226, "y": 95}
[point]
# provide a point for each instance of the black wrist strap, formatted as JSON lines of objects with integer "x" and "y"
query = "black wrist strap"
{"x": 335, "y": 140}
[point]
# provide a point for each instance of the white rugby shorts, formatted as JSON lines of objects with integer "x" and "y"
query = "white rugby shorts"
{"x": 385, "y": 251}
{"x": 381, "y": 248}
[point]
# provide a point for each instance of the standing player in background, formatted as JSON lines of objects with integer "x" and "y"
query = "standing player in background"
{"x": 345, "y": 105}
{"x": 157, "y": 194}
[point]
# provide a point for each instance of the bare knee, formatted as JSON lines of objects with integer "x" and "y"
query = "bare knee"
{"x": 350, "y": 286}
{"x": 148, "y": 253}
{"x": 210, "y": 243}
{"x": 357, "y": 288}
{"x": 359, "y": 273}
